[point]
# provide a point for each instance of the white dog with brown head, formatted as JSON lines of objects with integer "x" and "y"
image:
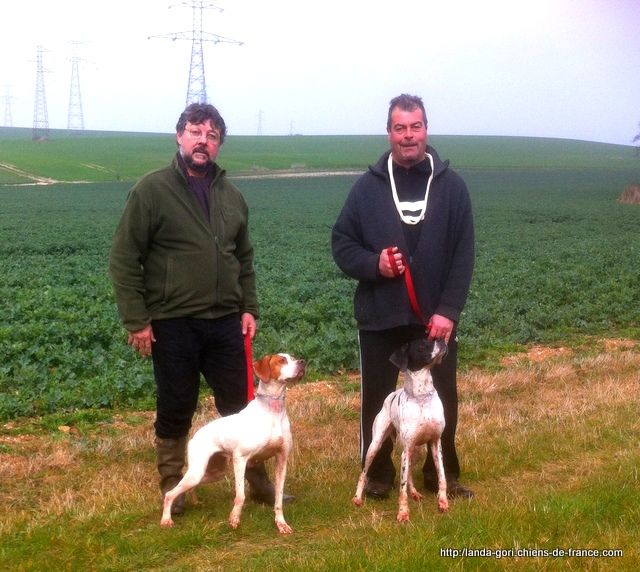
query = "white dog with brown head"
{"x": 258, "y": 432}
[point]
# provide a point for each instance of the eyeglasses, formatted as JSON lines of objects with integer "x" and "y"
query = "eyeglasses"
{"x": 211, "y": 136}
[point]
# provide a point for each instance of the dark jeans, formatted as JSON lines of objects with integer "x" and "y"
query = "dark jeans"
{"x": 184, "y": 349}
{"x": 379, "y": 378}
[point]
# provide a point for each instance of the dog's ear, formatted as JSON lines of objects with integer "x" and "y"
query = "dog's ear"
{"x": 400, "y": 358}
{"x": 441, "y": 349}
{"x": 262, "y": 368}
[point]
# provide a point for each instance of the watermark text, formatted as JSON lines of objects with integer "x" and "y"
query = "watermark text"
{"x": 498, "y": 553}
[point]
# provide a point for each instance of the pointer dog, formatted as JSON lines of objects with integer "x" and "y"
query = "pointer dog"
{"x": 415, "y": 414}
{"x": 258, "y": 432}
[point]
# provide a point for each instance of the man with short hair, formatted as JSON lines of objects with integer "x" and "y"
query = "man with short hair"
{"x": 181, "y": 264}
{"x": 409, "y": 208}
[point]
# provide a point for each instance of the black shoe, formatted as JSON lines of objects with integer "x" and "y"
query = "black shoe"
{"x": 454, "y": 488}
{"x": 261, "y": 489}
{"x": 269, "y": 497}
{"x": 179, "y": 506}
{"x": 377, "y": 490}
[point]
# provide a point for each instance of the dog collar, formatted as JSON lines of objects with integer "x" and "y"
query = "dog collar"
{"x": 271, "y": 397}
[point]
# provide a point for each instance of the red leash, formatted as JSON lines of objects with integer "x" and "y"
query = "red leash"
{"x": 249, "y": 358}
{"x": 413, "y": 299}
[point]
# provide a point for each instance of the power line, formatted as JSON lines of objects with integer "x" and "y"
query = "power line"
{"x": 197, "y": 86}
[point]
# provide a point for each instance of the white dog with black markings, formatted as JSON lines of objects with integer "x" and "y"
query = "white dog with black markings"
{"x": 415, "y": 415}
{"x": 258, "y": 432}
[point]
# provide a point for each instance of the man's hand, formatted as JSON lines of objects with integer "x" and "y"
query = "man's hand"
{"x": 391, "y": 264}
{"x": 248, "y": 325}
{"x": 142, "y": 340}
{"x": 440, "y": 328}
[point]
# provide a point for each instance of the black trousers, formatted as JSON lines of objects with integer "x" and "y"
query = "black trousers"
{"x": 184, "y": 349}
{"x": 379, "y": 378}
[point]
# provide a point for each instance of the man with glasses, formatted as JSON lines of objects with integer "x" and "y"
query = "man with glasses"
{"x": 181, "y": 264}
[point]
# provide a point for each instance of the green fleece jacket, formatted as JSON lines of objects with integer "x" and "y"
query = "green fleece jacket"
{"x": 168, "y": 261}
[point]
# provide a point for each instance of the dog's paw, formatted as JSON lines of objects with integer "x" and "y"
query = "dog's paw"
{"x": 166, "y": 522}
{"x": 283, "y": 527}
{"x": 416, "y": 496}
{"x": 357, "y": 501}
{"x": 443, "y": 505}
{"x": 402, "y": 516}
{"x": 234, "y": 521}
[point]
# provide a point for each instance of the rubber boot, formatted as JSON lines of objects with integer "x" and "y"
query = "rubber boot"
{"x": 261, "y": 489}
{"x": 170, "y": 456}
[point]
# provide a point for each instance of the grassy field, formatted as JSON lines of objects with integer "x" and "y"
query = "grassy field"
{"x": 549, "y": 365}
{"x": 549, "y": 445}
{"x": 105, "y": 156}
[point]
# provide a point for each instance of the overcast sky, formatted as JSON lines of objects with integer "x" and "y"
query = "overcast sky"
{"x": 545, "y": 68}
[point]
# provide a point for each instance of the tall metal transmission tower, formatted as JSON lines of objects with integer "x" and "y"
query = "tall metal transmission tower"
{"x": 76, "y": 118}
{"x": 197, "y": 85}
{"x": 260, "y": 117}
{"x": 8, "y": 118}
{"x": 40, "y": 115}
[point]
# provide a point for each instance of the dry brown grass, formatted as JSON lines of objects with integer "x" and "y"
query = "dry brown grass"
{"x": 543, "y": 385}
{"x": 566, "y": 407}
{"x": 549, "y": 421}
{"x": 631, "y": 195}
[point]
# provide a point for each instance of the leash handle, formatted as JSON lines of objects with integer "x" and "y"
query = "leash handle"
{"x": 249, "y": 358}
{"x": 392, "y": 261}
{"x": 413, "y": 299}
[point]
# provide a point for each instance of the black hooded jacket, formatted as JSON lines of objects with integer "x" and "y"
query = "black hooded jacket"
{"x": 441, "y": 263}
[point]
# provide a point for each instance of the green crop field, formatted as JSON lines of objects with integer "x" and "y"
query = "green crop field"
{"x": 548, "y": 383}
{"x": 105, "y": 156}
{"x": 557, "y": 256}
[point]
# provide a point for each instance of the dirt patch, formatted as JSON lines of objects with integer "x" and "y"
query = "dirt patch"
{"x": 293, "y": 174}
{"x": 630, "y": 196}
{"x": 21, "y": 173}
{"x": 537, "y": 354}
{"x": 323, "y": 389}
{"x": 614, "y": 344}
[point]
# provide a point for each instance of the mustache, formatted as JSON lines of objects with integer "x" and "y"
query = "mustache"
{"x": 202, "y": 150}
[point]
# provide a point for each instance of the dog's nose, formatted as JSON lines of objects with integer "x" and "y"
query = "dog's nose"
{"x": 441, "y": 347}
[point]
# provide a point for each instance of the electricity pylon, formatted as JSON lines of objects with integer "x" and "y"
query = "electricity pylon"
{"x": 8, "y": 118}
{"x": 40, "y": 115}
{"x": 260, "y": 116}
{"x": 75, "y": 119}
{"x": 197, "y": 86}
